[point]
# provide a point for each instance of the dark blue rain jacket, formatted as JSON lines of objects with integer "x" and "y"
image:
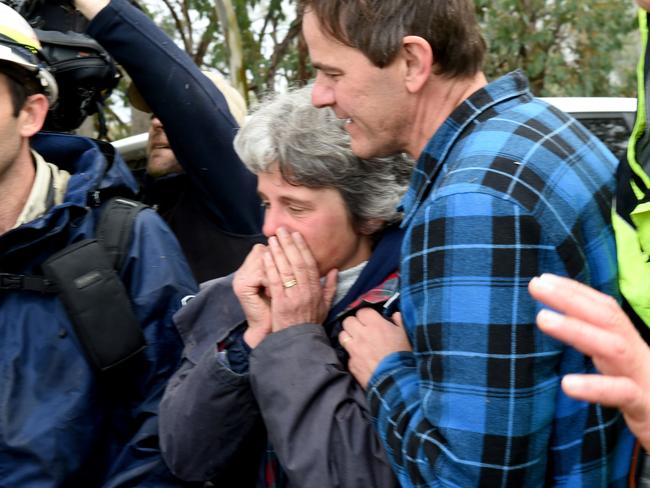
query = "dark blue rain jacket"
{"x": 61, "y": 422}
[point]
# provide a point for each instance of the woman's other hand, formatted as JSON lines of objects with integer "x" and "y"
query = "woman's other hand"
{"x": 250, "y": 285}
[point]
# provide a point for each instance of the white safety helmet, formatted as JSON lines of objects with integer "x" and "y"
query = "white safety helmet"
{"x": 20, "y": 46}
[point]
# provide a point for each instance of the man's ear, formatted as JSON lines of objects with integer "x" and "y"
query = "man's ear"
{"x": 32, "y": 116}
{"x": 418, "y": 57}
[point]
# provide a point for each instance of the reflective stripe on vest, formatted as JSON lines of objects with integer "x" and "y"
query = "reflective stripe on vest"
{"x": 632, "y": 224}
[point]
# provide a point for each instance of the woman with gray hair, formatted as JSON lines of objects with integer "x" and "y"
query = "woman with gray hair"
{"x": 263, "y": 396}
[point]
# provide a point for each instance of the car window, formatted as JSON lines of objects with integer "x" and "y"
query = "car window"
{"x": 613, "y": 131}
{"x": 609, "y": 118}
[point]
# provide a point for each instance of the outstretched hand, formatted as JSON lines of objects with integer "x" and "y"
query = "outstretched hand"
{"x": 596, "y": 325}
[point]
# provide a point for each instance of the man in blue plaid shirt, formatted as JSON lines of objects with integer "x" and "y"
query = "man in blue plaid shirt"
{"x": 506, "y": 188}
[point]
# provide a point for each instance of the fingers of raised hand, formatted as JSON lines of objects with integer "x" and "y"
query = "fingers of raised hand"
{"x": 283, "y": 264}
{"x": 250, "y": 278}
{"x": 580, "y": 301}
{"x": 254, "y": 258}
{"x": 299, "y": 257}
{"x": 344, "y": 338}
{"x": 307, "y": 258}
{"x": 613, "y": 353}
{"x": 611, "y": 391}
{"x": 273, "y": 275}
{"x": 329, "y": 290}
{"x": 370, "y": 317}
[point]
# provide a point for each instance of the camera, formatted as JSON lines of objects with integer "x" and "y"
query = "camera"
{"x": 83, "y": 70}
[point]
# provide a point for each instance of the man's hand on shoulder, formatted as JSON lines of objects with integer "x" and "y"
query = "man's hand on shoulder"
{"x": 369, "y": 338}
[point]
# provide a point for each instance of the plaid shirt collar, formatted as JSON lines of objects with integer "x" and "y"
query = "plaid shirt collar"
{"x": 377, "y": 296}
{"x": 437, "y": 149}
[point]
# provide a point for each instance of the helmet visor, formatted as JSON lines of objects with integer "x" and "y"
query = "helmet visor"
{"x": 19, "y": 54}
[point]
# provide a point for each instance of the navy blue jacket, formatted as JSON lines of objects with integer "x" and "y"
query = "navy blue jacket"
{"x": 61, "y": 422}
{"x": 214, "y": 209}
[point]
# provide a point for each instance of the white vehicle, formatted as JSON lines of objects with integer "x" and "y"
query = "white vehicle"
{"x": 133, "y": 148}
{"x": 609, "y": 118}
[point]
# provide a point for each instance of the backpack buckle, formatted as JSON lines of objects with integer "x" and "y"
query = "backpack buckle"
{"x": 10, "y": 281}
{"x": 40, "y": 284}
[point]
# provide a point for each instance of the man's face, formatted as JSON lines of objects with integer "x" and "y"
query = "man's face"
{"x": 374, "y": 101}
{"x": 10, "y": 138}
{"x": 161, "y": 160}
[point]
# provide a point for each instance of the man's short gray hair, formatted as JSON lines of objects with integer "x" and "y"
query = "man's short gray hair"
{"x": 311, "y": 148}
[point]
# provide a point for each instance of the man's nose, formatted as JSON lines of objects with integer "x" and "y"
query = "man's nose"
{"x": 322, "y": 95}
{"x": 155, "y": 123}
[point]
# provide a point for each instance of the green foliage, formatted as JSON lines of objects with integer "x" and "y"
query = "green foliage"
{"x": 566, "y": 47}
{"x": 272, "y": 56}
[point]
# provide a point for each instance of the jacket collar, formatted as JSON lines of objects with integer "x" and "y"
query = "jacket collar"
{"x": 93, "y": 165}
{"x": 383, "y": 261}
{"x": 376, "y": 296}
{"x": 433, "y": 158}
{"x": 87, "y": 161}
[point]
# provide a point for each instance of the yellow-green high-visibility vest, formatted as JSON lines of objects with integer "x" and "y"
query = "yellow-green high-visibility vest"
{"x": 631, "y": 209}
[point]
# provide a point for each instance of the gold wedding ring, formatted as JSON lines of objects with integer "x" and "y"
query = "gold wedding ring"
{"x": 290, "y": 283}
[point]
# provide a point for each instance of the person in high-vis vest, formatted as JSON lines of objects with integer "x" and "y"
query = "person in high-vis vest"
{"x": 631, "y": 206}
{"x": 595, "y": 323}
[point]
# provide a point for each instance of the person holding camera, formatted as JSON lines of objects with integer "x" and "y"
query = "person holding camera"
{"x": 195, "y": 179}
{"x": 79, "y": 402}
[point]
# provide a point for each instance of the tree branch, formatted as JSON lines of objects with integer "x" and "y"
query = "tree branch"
{"x": 281, "y": 49}
{"x": 188, "y": 21}
{"x": 179, "y": 25}
{"x": 206, "y": 38}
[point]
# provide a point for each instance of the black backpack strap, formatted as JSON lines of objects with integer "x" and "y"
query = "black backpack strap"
{"x": 113, "y": 232}
{"x": 9, "y": 281}
{"x": 99, "y": 306}
{"x": 115, "y": 228}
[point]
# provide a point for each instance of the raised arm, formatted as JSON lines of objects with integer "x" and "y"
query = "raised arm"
{"x": 193, "y": 111}
{"x": 314, "y": 411}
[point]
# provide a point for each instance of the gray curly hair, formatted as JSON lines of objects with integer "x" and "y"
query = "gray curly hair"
{"x": 311, "y": 148}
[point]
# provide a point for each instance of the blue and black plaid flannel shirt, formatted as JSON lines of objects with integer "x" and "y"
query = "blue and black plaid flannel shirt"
{"x": 508, "y": 188}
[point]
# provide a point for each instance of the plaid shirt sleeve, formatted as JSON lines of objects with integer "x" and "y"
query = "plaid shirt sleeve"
{"x": 479, "y": 402}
